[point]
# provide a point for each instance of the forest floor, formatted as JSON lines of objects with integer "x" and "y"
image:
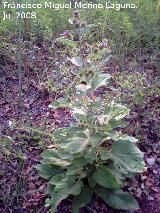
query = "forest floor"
{"x": 21, "y": 128}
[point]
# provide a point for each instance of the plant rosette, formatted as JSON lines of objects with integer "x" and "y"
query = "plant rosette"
{"x": 80, "y": 165}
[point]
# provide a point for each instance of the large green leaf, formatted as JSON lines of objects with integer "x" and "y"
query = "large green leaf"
{"x": 56, "y": 180}
{"x": 81, "y": 161}
{"x": 116, "y": 136}
{"x": 104, "y": 177}
{"x": 74, "y": 169}
{"x": 80, "y": 164}
{"x": 128, "y": 157}
{"x": 47, "y": 171}
{"x": 52, "y": 157}
{"x": 116, "y": 123}
{"x": 117, "y": 199}
{"x": 66, "y": 187}
{"x": 90, "y": 155}
{"x": 65, "y": 155}
{"x": 116, "y": 171}
{"x": 83, "y": 199}
{"x": 61, "y": 135}
{"x": 49, "y": 153}
{"x": 91, "y": 181}
{"x": 76, "y": 145}
{"x": 115, "y": 113}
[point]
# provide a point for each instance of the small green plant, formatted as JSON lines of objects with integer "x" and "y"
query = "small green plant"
{"x": 91, "y": 157}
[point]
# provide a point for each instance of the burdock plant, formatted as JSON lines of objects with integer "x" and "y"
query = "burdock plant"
{"x": 91, "y": 158}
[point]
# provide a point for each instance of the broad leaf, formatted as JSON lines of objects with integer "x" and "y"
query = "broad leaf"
{"x": 47, "y": 171}
{"x": 61, "y": 135}
{"x": 56, "y": 180}
{"x": 76, "y": 145}
{"x": 116, "y": 136}
{"x": 116, "y": 111}
{"x": 85, "y": 159}
{"x": 83, "y": 199}
{"x": 128, "y": 138}
{"x": 90, "y": 155}
{"x": 63, "y": 190}
{"x": 111, "y": 117}
{"x": 81, "y": 161}
{"x": 128, "y": 157}
{"x": 74, "y": 169}
{"x": 91, "y": 181}
{"x": 53, "y": 158}
{"x": 104, "y": 177}
{"x": 65, "y": 155}
{"x": 117, "y": 199}
{"x": 116, "y": 123}
{"x": 116, "y": 171}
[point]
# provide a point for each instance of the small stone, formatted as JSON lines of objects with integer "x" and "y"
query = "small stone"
{"x": 150, "y": 198}
{"x": 158, "y": 160}
{"x": 151, "y": 161}
{"x": 143, "y": 178}
{"x": 130, "y": 188}
{"x": 138, "y": 192}
{"x": 155, "y": 172}
{"x": 142, "y": 185}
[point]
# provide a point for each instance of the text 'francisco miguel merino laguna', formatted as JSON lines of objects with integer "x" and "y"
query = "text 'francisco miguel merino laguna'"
{"x": 57, "y": 6}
